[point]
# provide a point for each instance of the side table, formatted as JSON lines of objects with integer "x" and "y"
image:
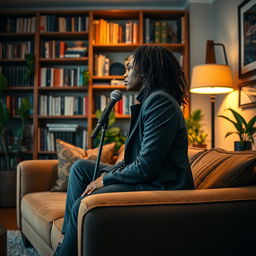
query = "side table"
{"x": 3, "y": 241}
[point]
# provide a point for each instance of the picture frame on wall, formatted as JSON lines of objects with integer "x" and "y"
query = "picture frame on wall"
{"x": 247, "y": 38}
{"x": 247, "y": 94}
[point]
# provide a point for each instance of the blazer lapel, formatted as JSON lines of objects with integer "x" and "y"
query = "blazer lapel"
{"x": 135, "y": 112}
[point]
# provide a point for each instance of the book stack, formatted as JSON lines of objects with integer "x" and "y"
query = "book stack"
{"x": 18, "y": 25}
{"x": 15, "y": 50}
{"x": 54, "y": 23}
{"x": 164, "y": 31}
{"x": 122, "y": 107}
{"x": 101, "y": 65}
{"x": 59, "y": 77}
{"x": 17, "y": 75}
{"x": 64, "y": 49}
{"x": 51, "y": 105}
{"x": 13, "y": 103}
{"x": 67, "y": 132}
{"x": 113, "y": 33}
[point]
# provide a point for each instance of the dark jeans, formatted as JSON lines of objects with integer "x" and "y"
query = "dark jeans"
{"x": 81, "y": 174}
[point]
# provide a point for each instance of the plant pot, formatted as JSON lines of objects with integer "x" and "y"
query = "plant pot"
{"x": 200, "y": 145}
{"x": 239, "y": 146}
{"x": 8, "y": 188}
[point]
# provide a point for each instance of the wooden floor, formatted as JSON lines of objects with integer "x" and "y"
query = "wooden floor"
{"x": 8, "y": 218}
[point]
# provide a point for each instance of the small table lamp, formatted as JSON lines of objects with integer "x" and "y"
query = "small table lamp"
{"x": 212, "y": 79}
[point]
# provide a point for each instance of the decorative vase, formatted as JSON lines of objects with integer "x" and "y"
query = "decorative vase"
{"x": 241, "y": 146}
{"x": 200, "y": 145}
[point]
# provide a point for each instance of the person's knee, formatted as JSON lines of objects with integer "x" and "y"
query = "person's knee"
{"x": 76, "y": 167}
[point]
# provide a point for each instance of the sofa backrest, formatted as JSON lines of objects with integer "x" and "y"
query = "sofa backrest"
{"x": 218, "y": 168}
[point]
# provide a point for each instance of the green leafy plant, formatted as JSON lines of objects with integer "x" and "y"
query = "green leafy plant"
{"x": 17, "y": 132}
{"x": 29, "y": 59}
{"x": 245, "y": 130}
{"x": 113, "y": 134}
{"x": 196, "y": 136}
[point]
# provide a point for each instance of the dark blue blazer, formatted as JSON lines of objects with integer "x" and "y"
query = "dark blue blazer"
{"x": 156, "y": 148}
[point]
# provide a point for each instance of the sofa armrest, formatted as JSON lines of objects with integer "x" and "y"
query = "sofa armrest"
{"x": 34, "y": 176}
{"x": 172, "y": 216}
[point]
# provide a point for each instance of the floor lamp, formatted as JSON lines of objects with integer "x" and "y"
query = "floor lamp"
{"x": 212, "y": 79}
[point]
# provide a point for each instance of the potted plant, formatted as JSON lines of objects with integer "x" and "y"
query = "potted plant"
{"x": 11, "y": 152}
{"x": 245, "y": 130}
{"x": 113, "y": 134}
{"x": 196, "y": 136}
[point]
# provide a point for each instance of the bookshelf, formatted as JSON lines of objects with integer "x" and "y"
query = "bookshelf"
{"x": 65, "y": 44}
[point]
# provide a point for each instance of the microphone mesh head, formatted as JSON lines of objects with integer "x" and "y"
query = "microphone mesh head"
{"x": 116, "y": 95}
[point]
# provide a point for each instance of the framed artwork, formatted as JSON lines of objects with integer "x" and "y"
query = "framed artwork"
{"x": 247, "y": 94}
{"x": 247, "y": 38}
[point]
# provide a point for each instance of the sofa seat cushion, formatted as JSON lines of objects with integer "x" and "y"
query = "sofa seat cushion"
{"x": 41, "y": 209}
{"x": 56, "y": 234}
{"x": 218, "y": 168}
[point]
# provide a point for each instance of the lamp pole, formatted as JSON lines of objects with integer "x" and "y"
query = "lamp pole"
{"x": 213, "y": 120}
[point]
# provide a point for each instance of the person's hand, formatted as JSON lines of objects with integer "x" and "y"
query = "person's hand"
{"x": 94, "y": 185}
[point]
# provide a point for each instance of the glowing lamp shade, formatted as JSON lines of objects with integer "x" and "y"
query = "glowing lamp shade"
{"x": 211, "y": 79}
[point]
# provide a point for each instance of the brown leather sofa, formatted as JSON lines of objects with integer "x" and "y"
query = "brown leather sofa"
{"x": 217, "y": 218}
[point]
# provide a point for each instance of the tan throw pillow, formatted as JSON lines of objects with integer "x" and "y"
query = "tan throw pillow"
{"x": 218, "y": 168}
{"x": 67, "y": 155}
{"x": 120, "y": 154}
{"x": 106, "y": 154}
{"x": 194, "y": 152}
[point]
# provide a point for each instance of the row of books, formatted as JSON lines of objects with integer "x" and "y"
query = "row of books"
{"x": 18, "y": 25}
{"x": 106, "y": 32}
{"x": 63, "y": 49}
{"x": 51, "y": 105}
{"x": 13, "y": 103}
{"x": 48, "y": 138}
{"x": 164, "y": 31}
{"x": 17, "y": 75}
{"x": 54, "y": 23}
{"x": 15, "y": 50}
{"x": 101, "y": 65}
{"x": 59, "y": 77}
{"x": 122, "y": 107}
{"x": 3, "y": 165}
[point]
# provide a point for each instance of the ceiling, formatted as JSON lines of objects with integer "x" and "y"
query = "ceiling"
{"x": 74, "y": 4}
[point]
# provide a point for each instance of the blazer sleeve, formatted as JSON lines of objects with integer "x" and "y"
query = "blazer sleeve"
{"x": 112, "y": 168}
{"x": 162, "y": 118}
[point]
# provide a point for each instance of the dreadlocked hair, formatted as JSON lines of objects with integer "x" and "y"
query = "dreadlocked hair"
{"x": 160, "y": 69}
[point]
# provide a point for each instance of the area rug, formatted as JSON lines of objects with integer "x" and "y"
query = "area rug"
{"x": 15, "y": 246}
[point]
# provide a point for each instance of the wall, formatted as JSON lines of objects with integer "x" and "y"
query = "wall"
{"x": 223, "y": 28}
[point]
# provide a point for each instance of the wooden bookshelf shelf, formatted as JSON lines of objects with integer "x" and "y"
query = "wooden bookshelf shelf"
{"x": 19, "y": 88}
{"x": 107, "y": 77}
{"x": 136, "y": 27}
{"x": 117, "y": 116}
{"x": 12, "y": 60}
{"x": 65, "y": 35}
{"x": 175, "y": 47}
{"x": 115, "y": 47}
{"x": 63, "y": 117}
{"x": 63, "y": 60}
{"x": 108, "y": 87}
{"x": 66, "y": 88}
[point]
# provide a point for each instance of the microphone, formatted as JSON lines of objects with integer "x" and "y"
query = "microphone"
{"x": 115, "y": 96}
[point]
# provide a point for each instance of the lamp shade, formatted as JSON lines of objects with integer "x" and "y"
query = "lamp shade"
{"x": 211, "y": 79}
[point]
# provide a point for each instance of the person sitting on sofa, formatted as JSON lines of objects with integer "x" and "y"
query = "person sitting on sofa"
{"x": 156, "y": 148}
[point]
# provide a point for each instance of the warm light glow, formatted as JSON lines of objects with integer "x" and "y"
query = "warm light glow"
{"x": 212, "y": 90}
{"x": 211, "y": 79}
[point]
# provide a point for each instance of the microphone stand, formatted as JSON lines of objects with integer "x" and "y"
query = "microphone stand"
{"x": 104, "y": 128}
